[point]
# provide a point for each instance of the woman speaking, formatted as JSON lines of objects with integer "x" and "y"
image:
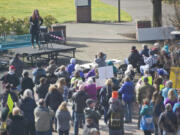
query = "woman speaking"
{"x": 35, "y": 22}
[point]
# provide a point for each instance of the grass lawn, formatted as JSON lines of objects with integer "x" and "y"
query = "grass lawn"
{"x": 63, "y": 10}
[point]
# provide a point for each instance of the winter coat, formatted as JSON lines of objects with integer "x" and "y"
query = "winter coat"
{"x": 42, "y": 90}
{"x": 104, "y": 95}
{"x": 18, "y": 64}
{"x": 110, "y": 63}
{"x": 145, "y": 52}
{"x": 4, "y": 97}
{"x": 53, "y": 99}
{"x": 61, "y": 74}
{"x": 10, "y": 78}
{"x": 37, "y": 74}
{"x": 115, "y": 107}
{"x": 26, "y": 83}
{"x": 91, "y": 73}
{"x": 79, "y": 100}
{"x": 134, "y": 58}
{"x": 43, "y": 117}
{"x": 168, "y": 101}
{"x": 145, "y": 91}
{"x": 157, "y": 110}
{"x": 146, "y": 122}
{"x": 28, "y": 105}
{"x": 63, "y": 118}
{"x": 101, "y": 61}
{"x": 16, "y": 125}
{"x": 168, "y": 122}
{"x": 127, "y": 91}
{"x": 35, "y": 25}
{"x": 91, "y": 91}
{"x": 50, "y": 69}
{"x": 70, "y": 68}
{"x": 66, "y": 93}
{"x": 87, "y": 129}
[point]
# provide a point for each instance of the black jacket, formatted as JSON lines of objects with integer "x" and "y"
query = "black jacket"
{"x": 53, "y": 99}
{"x": 35, "y": 25}
{"x": 42, "y": 90}
{"x": 16, "y": 125}
{"x": 26, "y": 83}
{"x": 11, "y": 79}
{"x": 79, "y": 99}
{"x": 134, "y": 58}
{"x": 28, "y": 105}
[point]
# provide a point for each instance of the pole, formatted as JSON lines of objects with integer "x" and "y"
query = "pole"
{"x": 119, "y": 11}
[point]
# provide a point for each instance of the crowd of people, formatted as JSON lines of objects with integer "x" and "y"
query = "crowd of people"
{"x": 58, "y": 98}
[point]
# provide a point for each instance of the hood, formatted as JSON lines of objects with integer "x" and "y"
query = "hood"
{"x": 17, "y": 117}
{"x": 110, "y": 63}
{"x": 115, "y": 104}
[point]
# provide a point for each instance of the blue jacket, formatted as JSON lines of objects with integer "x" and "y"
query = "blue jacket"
{"x": 176, "y": 106}
{"x": 70, "y": 68}
{"x": 127, "y": 91}
{"x": 28, "y": 105}
{"x": 37, "y": 74}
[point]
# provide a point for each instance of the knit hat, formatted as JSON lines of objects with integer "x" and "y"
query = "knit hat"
{"x": 89, "y": 101}
{"x": 114, "y": 94}
{"x": 12, "y": 67}
{"x": 73, "y": 61}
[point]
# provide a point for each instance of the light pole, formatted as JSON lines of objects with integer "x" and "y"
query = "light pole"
{"x": 119, "y": 11}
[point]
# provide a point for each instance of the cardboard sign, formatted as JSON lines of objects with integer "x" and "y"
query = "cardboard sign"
{"x": 175, "y": 77}
{"x": 105, "y": 72}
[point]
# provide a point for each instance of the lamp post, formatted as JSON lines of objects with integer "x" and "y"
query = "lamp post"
{"x": 119, "y": 11}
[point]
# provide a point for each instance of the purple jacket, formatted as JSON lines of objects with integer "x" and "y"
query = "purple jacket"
{"x": 91, "y": 91}
{"x": 169, "y": 101}
{"x": 91, "y": 73}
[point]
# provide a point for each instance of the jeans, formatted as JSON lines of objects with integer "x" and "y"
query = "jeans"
{"x": 78, "y": 117}
{"x": 139, "y": 117}
{"x": 65, "y": 132}
{"x": 115, "y": 132}
{"x": 146, "y": 132}
{"x": 42, "y": 133}
{"x": 128, "y": 112}
{"x": 105, "y": 111}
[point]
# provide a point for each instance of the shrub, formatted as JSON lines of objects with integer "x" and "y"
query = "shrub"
{"x": 4, "y": 26}
{"x": 49, "y": 20}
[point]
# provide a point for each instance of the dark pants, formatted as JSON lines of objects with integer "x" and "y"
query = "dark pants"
{"x": 128, "y": 112}
{"x": 116, "y": 132}
{"x": 30, "y": 128}
{"x": 35, "y": 35}
{"x": 146, "y": 132}
{"x": 77, "y": 118}
{"x": 65, "y": 132}
{"x": 42, "y": 133}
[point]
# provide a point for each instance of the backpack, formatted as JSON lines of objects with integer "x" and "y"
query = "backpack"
{"x": 116, "y": 120}
{"x": 104, "y": 96}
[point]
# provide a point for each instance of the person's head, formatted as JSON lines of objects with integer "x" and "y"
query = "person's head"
{"x": 169, "y": 84}
{"x": 16, "y": 111}
{"x": 25, "y": 73}
{"x": 77, "y": 67}
{"x": 17, "y": 55}
{"x": 27, "y": 94}
{"x": 133, "y": 48}
{"x": 43, "y": 80}
{"x": 76, "y": 74}
{"x": 94, "y": 131}
{"x": 61, "y": 82}
{"x": 146, "y": 72}
{"x": 168, "y": 107}
{"x": 41, "y": 102}
{"x": 52, "y": 88}
{"x": 39, "y": 64}
{"x": 156, "y": 45}
{"x": 89, "y": 120}
{"x": 172, "y": 95}
{"x": 90, "y": 81}
{"x": 127, "y": 79}
{"x": 51, "y": 62}
{"x": 115, "y": 94}
{"x": 90, "y": 103}
{"x": 63, "y": 106}
{"x": 144, "y": 46}
{"x": 62, "y": 68}
{"x": 35, "y": 14}
{"x": 73, "y": 61}
{"x": 81, "y": 87}
{"x": 80, "y": 82}
{"x": 12, "y": 68}
{"x": 146, "y": 80}
{"x": 8, "y": 86}
{"x": 100, "y": 55}
{"x": 158, "y": 81}
{"x": 109, "y": 82}
{"x": 145, "y": 101}
{"x": 156, "y": 97}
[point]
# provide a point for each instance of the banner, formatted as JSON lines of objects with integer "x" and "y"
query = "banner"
{"x": 10, "y": 103}
{"x": 175, "y": 77}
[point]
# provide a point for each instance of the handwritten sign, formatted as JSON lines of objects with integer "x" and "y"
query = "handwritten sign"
{"x": 175, "y": 77}
{"x": 105, "y": 72}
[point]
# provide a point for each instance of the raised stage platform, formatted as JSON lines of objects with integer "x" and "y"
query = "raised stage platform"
{"x": 31, "y": 55}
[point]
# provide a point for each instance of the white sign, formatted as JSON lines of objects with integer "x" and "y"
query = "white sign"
{"x": 105, "y": 72}
{"x": 100, "y": 82}
{"x": 156, "y": 33}
{"x": 81, "y": 2}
